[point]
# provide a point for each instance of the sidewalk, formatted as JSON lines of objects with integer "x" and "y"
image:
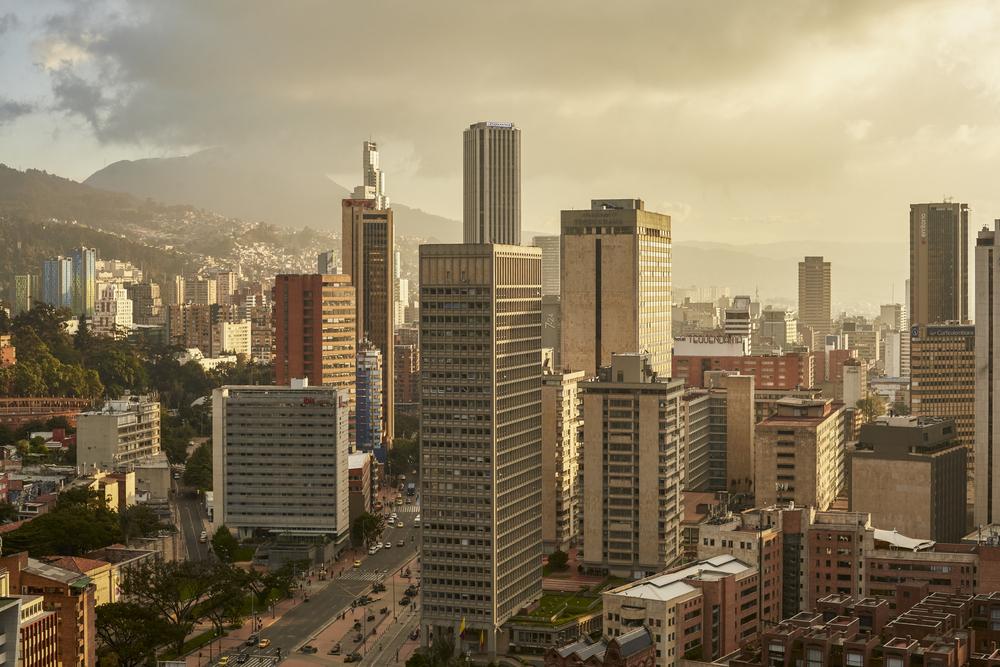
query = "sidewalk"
{"x": 342, "y": 629}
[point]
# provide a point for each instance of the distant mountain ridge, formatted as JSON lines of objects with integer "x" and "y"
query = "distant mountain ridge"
{"x": 225, "y": 182}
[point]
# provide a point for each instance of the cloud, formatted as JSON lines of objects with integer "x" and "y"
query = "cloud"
{"x": 11, "y": 110}
{"x": 779, "y": 111}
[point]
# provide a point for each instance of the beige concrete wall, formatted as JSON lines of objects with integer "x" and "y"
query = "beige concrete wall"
{"x": 649, "y": 475}
{"x": 593, "y": 462}
{"x": 740, "y": 430}
{"x": 896, "y": 493}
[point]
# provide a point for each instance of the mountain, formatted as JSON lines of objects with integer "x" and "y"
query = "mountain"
{"x": 244, "y": 187}
{"x": 864, "y": 274}
{"x": 43, "y": 215}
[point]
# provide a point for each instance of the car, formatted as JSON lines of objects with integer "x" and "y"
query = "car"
{"x": 203, "y": 537}
{"x": 241, "y": 658}
{"x": 404, "y": 601}
{"x": 370, "y": 618}
{"x": 336, "y": 649}
{"x": 411, "y": 591}
{"x": 357, "y": 563}
{"x": 224, "y": 660}
{"x": 177, "y": 475}
{"x": 252, "y": 639}
{"x": 363, "y": 600}
{"x": 378, "y": 588}
{"x": 416, "y": 520}
{"x": 263, "y": 643}
{"x": 309, "y": 648}
{"x": 387, "y": 545}
{"x": 358, "y": 638}
{"x": 401, "y": 543}
{"x": 415, "y": 634}
{"x": 399, "y": 524}
{"x": 353, "y": 657}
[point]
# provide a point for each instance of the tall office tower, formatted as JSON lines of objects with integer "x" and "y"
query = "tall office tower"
{"x": 226, "y": 283}
{"x": 550, "y": 263}
{"x": 939, "y": 271}
{"x": 615, "y": 285}
{"x": 328, "y": 262}
{"x": 147, "y": 304}
{"x": 480, "y": 439}
{"x": 57, "y": 282}
{"x": 374, "y": 178}
{"x": 24, "y": 292}
{"x": 904, "y": 337}
{"x": 800, "y": 454}
{"x": 368, "y": 422}
{"x": 633, "y": 469}
{"x": 815, "y": 286}
{"x": 201, "y": 291}
{"x": 174, "y": 293}
{"x": 315, "y": 336}
{"x": 778, "y": 332}
{"x": 893, "y": 355}
{"x": 943, "y": 381}
{"x": 84, "y": 281}
{"x": 492, "y": 184}
{"x": 719, "y": 434}
{"x": 113, "y": 312}
{"x": 560, "y": 457}
{"x": 368, "y": 252}
{"x": 891, "y": 316}
{"x": 281, "y": 460}
{"x": 987, "y": 426}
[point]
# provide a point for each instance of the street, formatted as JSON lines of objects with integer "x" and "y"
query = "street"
{"x": 190, "y": 516}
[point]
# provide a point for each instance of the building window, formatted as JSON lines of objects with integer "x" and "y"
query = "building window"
{"x": 893, "y": 661}
{"x": 814, "y": 657}
{"x": 855, "y": 660}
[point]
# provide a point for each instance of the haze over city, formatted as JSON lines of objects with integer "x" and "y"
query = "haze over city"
{"x": 441, "y": 334}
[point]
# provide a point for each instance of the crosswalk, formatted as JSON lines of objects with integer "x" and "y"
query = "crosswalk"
{"x": 406, "y": 509}
{"x": 365, "y": 575}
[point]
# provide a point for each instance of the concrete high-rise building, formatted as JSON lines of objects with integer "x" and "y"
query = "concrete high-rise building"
{"x": 174, "y": 293}
{"x": 226, "y": 283}
{"x": 550, "y": 246}
{"x": 738, "y": 321}
{"x": 719, "y": 434}
{"x": 57, "y": 282}
{"x": 147, "y": 303}
{"x": 84, "y": 281}
{"x": 633, "y": 469}
{"x": 368, "y": 255}
{"x": 113, "y": 312}
{"x": 909, "y": 473}
{"x": 891, "y": 316}
{"x": 943, "y": 380}
{"x": 373, "y": 187}
{"x": 369, "y": 422}
{"x": 560, "y": 458}
{"x": 24, "y": 292}
{"x": 201, "y": 291}
{"x": 281, "y": 459}
{"x": 232, "y": 338}
{"x": 315, "y": 336}
{"x": 492, "y": 183}
{"x": 328, "y": 262}
{"x": 939, "y": 271}
{"x": 615, "y": 285}
{"x": 122, "y": 432}
{"x": 778, "y": 332}
{"x": 815, "y": 288}
{"x": 480, "y": 439}
{"x": 891, "y": 360}
{"x": 800, "y": 454}
{"x": 987, "y": 377}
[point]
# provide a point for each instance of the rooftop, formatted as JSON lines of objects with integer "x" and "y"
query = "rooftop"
{"x": 668, "y": 585}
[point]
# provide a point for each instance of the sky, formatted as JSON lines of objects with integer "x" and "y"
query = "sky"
{"x": 746, "y": 121}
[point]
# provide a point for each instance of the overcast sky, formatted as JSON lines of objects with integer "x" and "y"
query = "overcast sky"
{"x": 744, "y": 120}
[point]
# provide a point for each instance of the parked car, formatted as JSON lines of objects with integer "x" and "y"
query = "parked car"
{"x": 336, "y": 649}
{"x": 404, "y": 601}
{"x": 353, "y": 657}
{"x": 309, "y": 648}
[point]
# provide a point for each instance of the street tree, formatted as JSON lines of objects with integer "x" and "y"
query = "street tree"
{"x": 367, "y": 528}
{"x": 129, "y": 633}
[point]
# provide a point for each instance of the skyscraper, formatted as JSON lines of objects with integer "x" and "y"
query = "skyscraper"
{"x": 615, "y": 284}
{"x": 550, "y": 263}
{"x": 492, "y": 183}
{"x": 987, "y": 365}
{"x": 314, "y": 330}
{"x": 368, "y": 253}
{"x": 374, "y": 178}
{"x": 939, "y": 271}
{"x": 57, "y": 282}
{"x": 84, "y": 281}
{"x": 815, "y": 286}
{"x": 480, "y": 436}
{"x": 633, "y": 469}
{"x": 24, "y": 292}
{"x": 328, "y": 262}
{"x": 369, "y": 422}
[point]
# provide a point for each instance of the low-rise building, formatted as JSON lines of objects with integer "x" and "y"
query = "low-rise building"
{"x": 706, "y": 609}
{"x": 633, "y": 649}
{"x": 122, "y": 433}
{"x": 359, "y": 481}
